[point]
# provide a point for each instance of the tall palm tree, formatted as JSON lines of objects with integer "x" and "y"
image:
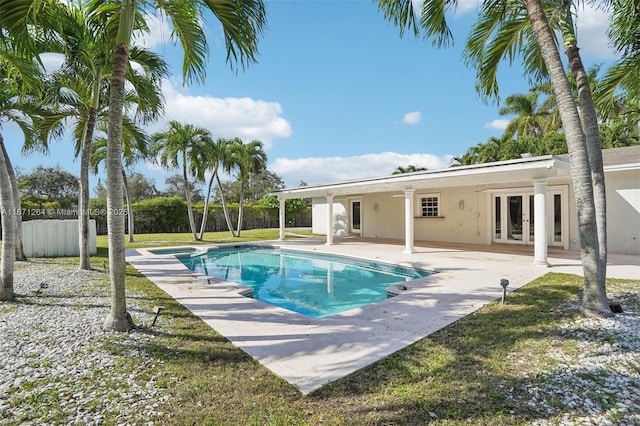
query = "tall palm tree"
{"x": 591, "y": 129}
{"x": 215, "y": 156}
{"x": 242, "y": 24}
{"x": 80, "y": 89}
{"x": 135, "y": 144}
{"x": 504, "y": 29}
{"x": 247, "y": 159}
{"x": 8, "y": 257}
{"x": 19, "y": 76}
{"x": 182, "y": 144}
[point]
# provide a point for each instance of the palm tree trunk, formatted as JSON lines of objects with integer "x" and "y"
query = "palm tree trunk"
{"x": 83, "y": 196}
{"x": 205, "y": 213}
{"x": 594, "y": 149}
{"x": 129, "y": 206}
{"x": 187, "y": 194}
{"x": 240, "y": 209}
{"x": 118, "y": 318}
{"x": 227, "y": 218}
{"x": 594, "y": 301}
{"x": 8, "y": 256}
{"x": 16, "y": 200}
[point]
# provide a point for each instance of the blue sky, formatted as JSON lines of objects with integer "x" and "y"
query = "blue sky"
{"x": 336, "y": 94}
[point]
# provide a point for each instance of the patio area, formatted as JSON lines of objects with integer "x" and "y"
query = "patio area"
{"x": 309, "y": 352}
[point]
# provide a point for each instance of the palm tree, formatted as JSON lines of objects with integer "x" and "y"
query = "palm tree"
{"x": 618, "y": 133}
{"x": 530, "y": 119}
{"x": 135, "y": 149}
{"x": 591, "y": 131}
{"x": 247, "y": 159}
{"x": 583, "y": 143}
{"x": 409, "y": 169}
{"x": 183, "y": 144}
{"x": 9, "y": 211}
{"x": 79, "y": 93}
{"x": 215, "y": 155}
{"x": 504, "y": 29}
{"x": 620, "y": 83}
{"x": 20, "y": 76}
{"x": 470, "y": 157}
{"x": 242, "y": 23}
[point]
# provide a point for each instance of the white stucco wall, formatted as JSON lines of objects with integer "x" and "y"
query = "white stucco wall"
{"x": 384, "y": 221}
{"x": 464, "y": 219}
{"x": 464, "y": 222}
{"x": 467, "y": 214}
{"x": 319, "y": 213}
{"x": 623, "y": 212}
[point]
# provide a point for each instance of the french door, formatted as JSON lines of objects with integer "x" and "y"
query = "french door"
{"x": 514, "y": 217}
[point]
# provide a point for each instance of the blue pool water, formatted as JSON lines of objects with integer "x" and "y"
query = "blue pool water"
{"x": 312, "y": 284}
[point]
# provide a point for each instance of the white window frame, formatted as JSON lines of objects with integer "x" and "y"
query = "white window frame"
{"x": 422, "y": 211}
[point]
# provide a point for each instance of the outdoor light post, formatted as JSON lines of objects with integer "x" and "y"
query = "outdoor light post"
{"x": 504, "y": 283}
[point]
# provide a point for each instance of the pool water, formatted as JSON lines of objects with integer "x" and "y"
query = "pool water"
{"x": 311, "y": 284}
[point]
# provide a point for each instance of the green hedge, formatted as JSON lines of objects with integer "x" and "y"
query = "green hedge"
{"x": 169, "y": 214}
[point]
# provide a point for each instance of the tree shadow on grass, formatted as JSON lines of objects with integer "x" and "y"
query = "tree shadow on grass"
{"x": 467, "y": 372}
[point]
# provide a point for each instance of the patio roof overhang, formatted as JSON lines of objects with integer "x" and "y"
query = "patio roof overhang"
{"x": 503, "y": 172}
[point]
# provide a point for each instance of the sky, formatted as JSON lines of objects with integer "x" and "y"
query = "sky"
{"x": 336, "y": 93}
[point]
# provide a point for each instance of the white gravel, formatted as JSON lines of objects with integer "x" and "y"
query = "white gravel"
{"x": 57, "y": 366}
{"x": 598, "y": 381}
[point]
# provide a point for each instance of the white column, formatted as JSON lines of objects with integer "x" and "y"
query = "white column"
{"x": 281, "y": 214}
{"x": 408, "y": 221}
{"x": 329, "y": 220}
{"x": 540, "y": 224}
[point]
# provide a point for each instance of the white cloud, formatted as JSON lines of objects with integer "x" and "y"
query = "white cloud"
{"x": 159, "y": 32}
{"x": 245, "y": 118}
{"x": 592, "y": 26}
{"x": 499, "y": 124}
{"x": 461, "y": 8}
{"x": 320, "y": 170}
{"x": 591, "y": 21}
{"x": 465, "y": 6}
{"x": 52, "y": 61}
{"x": 412, "y": 117}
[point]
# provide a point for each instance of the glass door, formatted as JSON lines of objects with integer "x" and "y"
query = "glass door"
{"x": 356, "y": 217}
{"x": 513, "y": 218}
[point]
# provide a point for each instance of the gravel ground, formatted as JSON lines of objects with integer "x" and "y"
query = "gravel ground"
{"x": 58, "y": 366}
{"x": 598, "y": 381}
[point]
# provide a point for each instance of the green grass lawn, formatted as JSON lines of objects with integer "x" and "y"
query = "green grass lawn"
{"x": 185, "y": 239}
{"x": 460, "y": 375}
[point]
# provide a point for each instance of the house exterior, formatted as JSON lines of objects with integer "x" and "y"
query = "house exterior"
{"x": 528, "y": 201}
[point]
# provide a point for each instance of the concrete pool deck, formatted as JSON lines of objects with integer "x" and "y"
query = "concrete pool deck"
{"x": 310, "y": 352}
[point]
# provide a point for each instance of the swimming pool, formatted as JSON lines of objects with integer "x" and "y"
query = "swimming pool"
{"x": 311, "y": 284}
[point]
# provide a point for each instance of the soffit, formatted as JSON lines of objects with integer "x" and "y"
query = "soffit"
{"x": 505, "y": 172}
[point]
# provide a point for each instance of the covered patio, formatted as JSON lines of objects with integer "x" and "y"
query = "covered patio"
{"x": 526, "y": 175}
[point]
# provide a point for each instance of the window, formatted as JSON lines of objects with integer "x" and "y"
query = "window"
{"x": 429, "y": 205}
